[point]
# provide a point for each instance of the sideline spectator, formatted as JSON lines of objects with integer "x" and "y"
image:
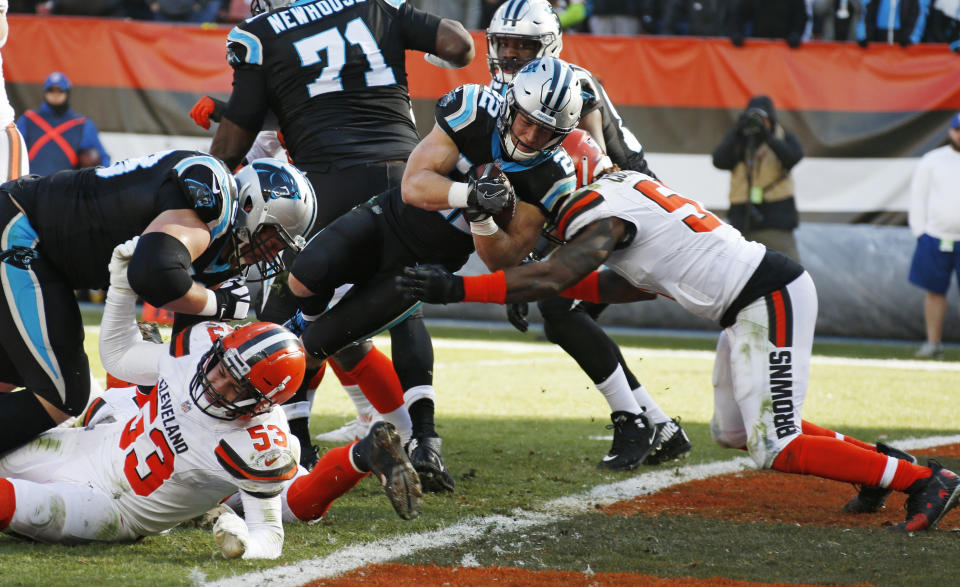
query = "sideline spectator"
{"x": 760, "y": 154}
{"x": 892, "y": 21}
{"x": 57, "y": 137}
{"x": 188, "y": 10}
{"x": 785, "y": 19}
{"x": 944, "y": 23}
{"x": 616, "y": 17}
{"x": 702, "y": 18}
{"x": 934, "y": 219}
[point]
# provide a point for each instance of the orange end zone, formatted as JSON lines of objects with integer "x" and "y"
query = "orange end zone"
{"x": 394, "y": 575}
{"x": 800, "y": 499}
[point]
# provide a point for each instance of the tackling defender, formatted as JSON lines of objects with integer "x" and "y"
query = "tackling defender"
{"x": 653, "y": 239}
{"x": 150, "y": 458}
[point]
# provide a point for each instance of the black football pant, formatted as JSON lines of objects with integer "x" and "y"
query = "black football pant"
{"x": 572, "y": 325}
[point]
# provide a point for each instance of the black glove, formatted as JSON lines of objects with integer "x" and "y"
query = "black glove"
{"x": 488, "y": 196}
{"x": 737, "y": 39}
{"x": 432, "y": 284}
{"x": 233, "y": 300}
{"x": 793, "y": 40}
{"x": 517, "y": 315}
{"x": 863, "y": 43}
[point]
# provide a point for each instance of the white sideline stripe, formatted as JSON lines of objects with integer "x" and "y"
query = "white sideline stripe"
{"x": 549, "y": 348}
{"x": 387, "y": 549}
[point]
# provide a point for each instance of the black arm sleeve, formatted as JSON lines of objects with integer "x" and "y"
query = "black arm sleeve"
{"x": 788, "y": 150}
{"x": 419, "y": 28}
{"x": 248, "y": 104}
{"x": 729, "y": 151}
{"x": 159, "y": 270}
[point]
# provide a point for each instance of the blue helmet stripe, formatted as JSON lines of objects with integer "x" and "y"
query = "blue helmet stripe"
{"x": 512, "y": 12}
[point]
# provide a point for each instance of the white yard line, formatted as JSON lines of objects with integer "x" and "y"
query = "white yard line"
{"x": 387, "y": 549}
{"x": 540, "y": 348}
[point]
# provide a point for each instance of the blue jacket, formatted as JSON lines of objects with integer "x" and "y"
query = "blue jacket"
{"x": 54, "y": 140}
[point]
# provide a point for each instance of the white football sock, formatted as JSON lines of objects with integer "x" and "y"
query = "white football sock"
{"x": 616, "y": 391}
{"x": 653, "y": 411}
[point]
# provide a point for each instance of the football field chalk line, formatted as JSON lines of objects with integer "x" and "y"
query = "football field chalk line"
{"x": 379, "y": 551}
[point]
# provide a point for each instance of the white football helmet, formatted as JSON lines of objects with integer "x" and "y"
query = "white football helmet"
{"x": 546, "y": 92}
{"x": 532, "y": 20}
{"x": 272, "y": 193}
{"x": 258, "y": 6}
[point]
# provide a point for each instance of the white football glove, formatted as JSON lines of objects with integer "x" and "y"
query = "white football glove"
{"x": 119, "y": 262}
{"x": 231, "y": 534}
{"x": 231, "y": 301}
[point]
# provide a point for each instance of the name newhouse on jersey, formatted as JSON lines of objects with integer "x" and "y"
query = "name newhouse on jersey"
{"x": 300, "y": 15}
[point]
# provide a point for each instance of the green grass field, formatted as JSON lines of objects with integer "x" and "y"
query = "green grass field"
{"x": 520, "y": 424}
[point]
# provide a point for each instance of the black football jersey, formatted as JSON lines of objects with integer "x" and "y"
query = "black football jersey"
{"x": 80, "y": 216}
{"x": 468, "y": 115}
{"x": 334, "y": 73}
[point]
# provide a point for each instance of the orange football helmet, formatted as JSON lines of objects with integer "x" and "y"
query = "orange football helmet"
{"x": 265, "y": 359}
{"x": 588, "y": 158}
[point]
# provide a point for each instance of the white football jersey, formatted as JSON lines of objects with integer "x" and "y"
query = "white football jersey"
{"x": 680, "y": 250}
{"x": 162, "y": 458}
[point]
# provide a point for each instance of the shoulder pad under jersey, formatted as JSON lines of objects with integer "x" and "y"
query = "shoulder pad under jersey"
{"x": 259, "y": 458}
{"x": 460, "y": 107}
{"x": 244, "y": 47}
{"x": 211, "y": 189}
{"x": 197, "y": 338}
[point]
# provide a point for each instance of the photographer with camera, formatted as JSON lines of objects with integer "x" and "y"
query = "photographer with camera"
{"x": 760, "y": 154}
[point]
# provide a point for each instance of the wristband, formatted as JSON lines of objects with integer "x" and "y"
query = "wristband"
{"x": 484, "y": 227}
{"x": 587, "y": 290}
{"x": 488, "y": 288}
{"x": 458, "y": 194}
{"x": 439, "y": 61}
{"x": 210, "y": 309}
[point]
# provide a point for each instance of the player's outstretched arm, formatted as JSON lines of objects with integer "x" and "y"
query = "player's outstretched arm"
{"x": 123, "y": 351}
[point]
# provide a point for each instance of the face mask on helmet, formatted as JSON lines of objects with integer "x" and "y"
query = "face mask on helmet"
{"x": 277, "y": 208}
{"x": 247, "y": 372}
{"x": 519, "y": 31}
{"x": 258, "y": 6}
{"x": 541, "y": 107}
{"x": 589, "y": 160}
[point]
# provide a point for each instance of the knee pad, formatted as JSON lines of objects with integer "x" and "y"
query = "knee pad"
{"x": 727, "y": 439}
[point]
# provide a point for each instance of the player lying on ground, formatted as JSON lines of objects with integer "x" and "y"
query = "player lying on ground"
{"x": 205, "y": 430}
{"x": 653, "y": 239}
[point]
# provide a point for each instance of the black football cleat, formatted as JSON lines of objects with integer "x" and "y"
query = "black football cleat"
{"x": 674, "y": 443}
{"x": 634, "y": 437}
{"x": 390, "y": 464}
{"x": 870, "y": 499}
{"x": 931, "y": 499}
{"x": 428, "y": 461}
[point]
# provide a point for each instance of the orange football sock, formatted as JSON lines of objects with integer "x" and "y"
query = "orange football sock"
{"x": 831, "y": 458}
{"x": 8, "y": 503}
{"x": 310, "y": 496}
{"x": 377, "y": 378}
{"x": 812, "y": 429}
{"x": 343, "y": 376}
{"x": 318, "y": 377}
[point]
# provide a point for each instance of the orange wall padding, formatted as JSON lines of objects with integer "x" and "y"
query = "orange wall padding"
{"x": 636, "y": 71}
